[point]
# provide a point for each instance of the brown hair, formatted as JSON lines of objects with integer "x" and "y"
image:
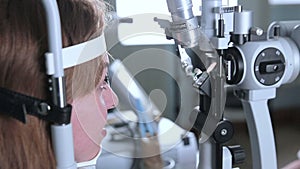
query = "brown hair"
{"x": 23, "y": 42}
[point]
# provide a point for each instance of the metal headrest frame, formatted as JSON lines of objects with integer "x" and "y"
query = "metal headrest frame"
{"x": 56, "y": 60}
{"x": 62, "y": 137}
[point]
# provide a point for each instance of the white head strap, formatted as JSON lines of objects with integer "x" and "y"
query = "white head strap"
{"x": 77, "y": 54}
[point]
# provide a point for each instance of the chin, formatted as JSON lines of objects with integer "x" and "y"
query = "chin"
{"x": 85, "y": 148}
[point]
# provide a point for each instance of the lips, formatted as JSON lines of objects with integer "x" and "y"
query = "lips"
{"x": 103, "y": 132}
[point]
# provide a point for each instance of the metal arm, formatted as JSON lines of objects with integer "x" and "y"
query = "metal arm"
{"x": 260, "y": 127}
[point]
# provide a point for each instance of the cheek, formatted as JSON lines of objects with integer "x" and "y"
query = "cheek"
{"x": 88, "y": 120}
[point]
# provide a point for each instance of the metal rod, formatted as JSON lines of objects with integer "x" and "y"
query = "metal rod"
{"x": 62, "y": 136}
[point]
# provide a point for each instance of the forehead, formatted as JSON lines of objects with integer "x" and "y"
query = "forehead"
{"x": 105, "y": 58}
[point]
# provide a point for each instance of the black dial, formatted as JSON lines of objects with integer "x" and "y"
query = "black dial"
{"x": 234, "y": 56}
{"x": 269, "y": 66}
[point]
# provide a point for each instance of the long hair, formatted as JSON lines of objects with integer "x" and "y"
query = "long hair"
{"x": 23, "y": 43}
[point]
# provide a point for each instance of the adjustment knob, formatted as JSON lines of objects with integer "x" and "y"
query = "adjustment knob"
{"x": 269, "y": 66}
{"x": 224, "y": 132}
{"x": 238, "y": 154}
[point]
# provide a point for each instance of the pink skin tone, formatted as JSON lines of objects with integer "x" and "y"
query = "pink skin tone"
{"x": 293, "y": 165}
{"x": 89, "y": 118}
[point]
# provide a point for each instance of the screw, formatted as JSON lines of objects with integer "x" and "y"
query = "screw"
{"x": 223, "y": 132}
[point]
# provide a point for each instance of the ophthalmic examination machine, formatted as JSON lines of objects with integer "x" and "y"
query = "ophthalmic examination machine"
{"x": 220, "y": 48}
{"x": 251, "y": 61}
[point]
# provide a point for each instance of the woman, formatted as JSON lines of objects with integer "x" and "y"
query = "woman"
{"x": 23, "y": 38}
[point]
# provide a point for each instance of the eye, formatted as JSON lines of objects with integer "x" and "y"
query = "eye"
{"x": 106, "y": 79}
{"x": 105, "y": 83}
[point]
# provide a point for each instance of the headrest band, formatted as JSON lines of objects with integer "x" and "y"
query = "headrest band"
{"x": 18, "y": 105}
{"x": 78, "y": 54}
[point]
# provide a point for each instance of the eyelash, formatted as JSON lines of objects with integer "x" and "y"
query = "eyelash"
{"x": 105, "y": 83}
{"x": 106, "y": 79}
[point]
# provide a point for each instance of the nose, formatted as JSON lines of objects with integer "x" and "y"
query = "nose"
{"x": 109, "y": 96}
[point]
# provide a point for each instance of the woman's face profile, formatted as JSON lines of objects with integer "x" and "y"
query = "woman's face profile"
{"x": 89, "y": 118}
